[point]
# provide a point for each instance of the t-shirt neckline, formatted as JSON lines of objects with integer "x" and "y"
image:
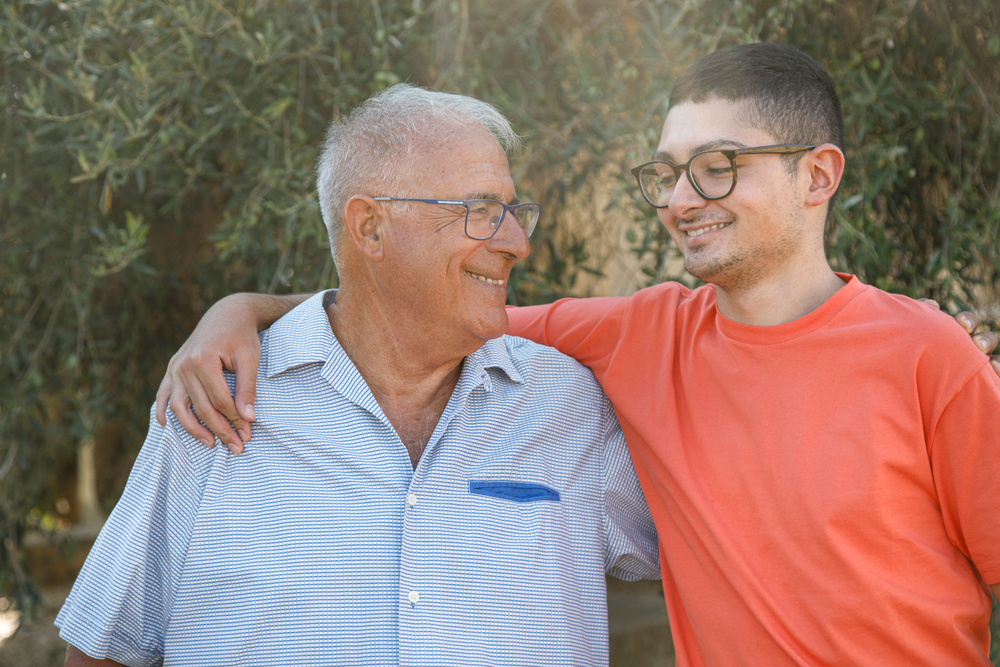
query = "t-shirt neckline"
{"x": 780, "y": 333}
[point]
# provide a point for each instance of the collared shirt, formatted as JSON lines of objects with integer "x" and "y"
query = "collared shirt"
{"x": 322, "y": 545}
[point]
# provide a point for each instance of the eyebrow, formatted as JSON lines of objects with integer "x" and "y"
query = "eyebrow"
{"x": 514, "y": 201}
{"x": 667, "y": 156}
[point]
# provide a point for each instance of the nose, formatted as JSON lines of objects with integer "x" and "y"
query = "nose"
{"x": 685, "y": 198}
{"x": 510, "y": 238}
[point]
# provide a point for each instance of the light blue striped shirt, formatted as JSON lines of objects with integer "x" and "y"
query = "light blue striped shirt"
{"x": 321, "y": 545}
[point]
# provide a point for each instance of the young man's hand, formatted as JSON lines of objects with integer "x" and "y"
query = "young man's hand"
{"x": 226, "y": 338}
{"x": 985, "y": 340}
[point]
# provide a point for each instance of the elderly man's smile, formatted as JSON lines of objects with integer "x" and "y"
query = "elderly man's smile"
{"x": 492, "y": 281}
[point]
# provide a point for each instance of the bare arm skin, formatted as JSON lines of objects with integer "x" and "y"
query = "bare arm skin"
{"x": 226, "y": 337}
{"x": 77, "y": 658}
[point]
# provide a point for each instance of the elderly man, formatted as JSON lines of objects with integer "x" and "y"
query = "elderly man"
{"x": 419, "y": 489}
{"x": 821, "y": 458}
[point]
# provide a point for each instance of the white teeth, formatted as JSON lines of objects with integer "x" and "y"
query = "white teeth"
{"x": 491, "y": 281}
{"x": 699, "y": 232}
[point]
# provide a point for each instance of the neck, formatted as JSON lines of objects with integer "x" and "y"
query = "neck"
{"x": 780, "y": 296}
{"x": 411, "y": 383}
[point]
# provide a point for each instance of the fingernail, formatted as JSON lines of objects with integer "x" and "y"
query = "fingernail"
{"x": 249, "y": 411}
{"x": 242, "y": 434}
{"x": 207, "y": 442}
{"x": 967, "y": 323}
{"x": 235, "y": 449}
{"x": 981, "y": 344}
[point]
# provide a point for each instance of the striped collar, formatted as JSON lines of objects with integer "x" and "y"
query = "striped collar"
{"x": 303, "y": 336}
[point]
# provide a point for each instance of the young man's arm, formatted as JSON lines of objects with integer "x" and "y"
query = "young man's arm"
{"x": 77, "y": 658}
{"x": 964, "y": 449}
{"x": 226, "y": 337}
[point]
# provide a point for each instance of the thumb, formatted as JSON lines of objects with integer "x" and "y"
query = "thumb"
{"x": 246, "y": 385}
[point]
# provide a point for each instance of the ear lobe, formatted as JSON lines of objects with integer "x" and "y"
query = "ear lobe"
{"x": 826, "y": 169}
{"x": 361, "y": 222}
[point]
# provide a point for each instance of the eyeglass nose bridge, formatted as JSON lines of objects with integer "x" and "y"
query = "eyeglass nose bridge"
{"x": 686, "y": 169}
{"x": 510, "y": 209}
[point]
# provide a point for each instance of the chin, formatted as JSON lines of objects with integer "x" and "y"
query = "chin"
{"x": 494, "y": 326}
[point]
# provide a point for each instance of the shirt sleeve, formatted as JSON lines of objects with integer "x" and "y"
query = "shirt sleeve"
{"x": 121, "y": 601}
{"x": 965, "y": 460}
{"x": 631, "y": 549}
{"x": 586, "y": 329}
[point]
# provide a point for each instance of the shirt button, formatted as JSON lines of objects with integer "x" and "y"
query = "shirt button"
{"x": 411, "y": 499}
{"x": 414, "y": 597}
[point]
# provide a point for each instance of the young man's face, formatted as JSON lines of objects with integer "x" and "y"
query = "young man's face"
{"x": 736, "y": 241}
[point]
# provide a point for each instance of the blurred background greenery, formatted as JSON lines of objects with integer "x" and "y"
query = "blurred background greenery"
{"x": 156, "y": 155}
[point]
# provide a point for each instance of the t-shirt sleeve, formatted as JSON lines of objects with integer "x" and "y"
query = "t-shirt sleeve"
{"x": 965, "y": 460}
{"x": 121, "y": 601}
{"x": 585, "y": 329}
{"x": 631, "y": 549}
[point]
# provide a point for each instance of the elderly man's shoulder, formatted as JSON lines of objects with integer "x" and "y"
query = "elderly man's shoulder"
{"x": 541, "y": 362}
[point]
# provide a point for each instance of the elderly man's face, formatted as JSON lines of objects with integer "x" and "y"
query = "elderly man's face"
{"x": 454, "y": 285}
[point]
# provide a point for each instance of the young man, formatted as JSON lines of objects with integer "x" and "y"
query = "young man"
{"x": 820, "y": 457}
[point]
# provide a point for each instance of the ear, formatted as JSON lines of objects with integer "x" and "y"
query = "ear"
{"x": 362, "y": 222}
{"x": 825, "y": 165}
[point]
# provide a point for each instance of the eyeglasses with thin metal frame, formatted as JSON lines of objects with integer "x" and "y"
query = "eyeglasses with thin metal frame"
{"x": 484, "y": 216}
{"x": 711, "y": 173}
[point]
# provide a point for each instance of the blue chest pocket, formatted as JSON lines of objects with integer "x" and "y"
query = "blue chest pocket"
{"x": 519, "y": 492}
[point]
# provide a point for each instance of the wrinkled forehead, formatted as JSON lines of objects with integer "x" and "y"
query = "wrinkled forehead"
{"x": 453, "y": 160}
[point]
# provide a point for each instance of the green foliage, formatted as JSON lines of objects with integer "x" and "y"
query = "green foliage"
{"x": 920, "y": 87}
{"x": 157, "y": 155}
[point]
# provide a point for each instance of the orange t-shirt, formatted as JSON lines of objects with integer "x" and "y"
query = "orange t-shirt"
{"x": 826, "y": 491}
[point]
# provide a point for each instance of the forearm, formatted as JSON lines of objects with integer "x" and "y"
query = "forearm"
{"x": 77, "y": 658}
{"x": 527, "y": 322}
{"x": 266, "y": 308}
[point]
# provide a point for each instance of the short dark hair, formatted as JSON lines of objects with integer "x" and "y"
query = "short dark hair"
{"x": 788, "y": 94}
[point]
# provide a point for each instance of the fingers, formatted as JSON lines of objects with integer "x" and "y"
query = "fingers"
{"x": 968, "y": 320}
{"x": 931, "y": 302}
{"x": 246, "y": 388}
{"x": 985, "y": 341}
{"x": 210, "y": 397}
{"x": 163, "y": 397}
{"x": 180, "y": 405}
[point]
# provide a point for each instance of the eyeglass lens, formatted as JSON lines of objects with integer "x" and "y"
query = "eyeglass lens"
{"x": 485, "y": 217}
{"x": 711, "y": 172}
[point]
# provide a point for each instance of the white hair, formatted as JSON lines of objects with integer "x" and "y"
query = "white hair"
{"x": 364, "y": 152}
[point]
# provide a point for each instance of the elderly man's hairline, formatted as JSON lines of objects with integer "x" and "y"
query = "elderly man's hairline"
{"x": 388, "y": 125}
